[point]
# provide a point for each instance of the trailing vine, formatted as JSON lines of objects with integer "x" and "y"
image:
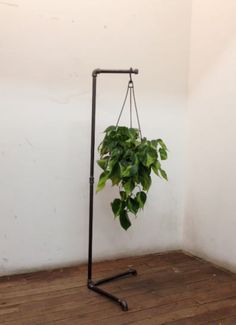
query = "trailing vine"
{"x": 128, "y": 160}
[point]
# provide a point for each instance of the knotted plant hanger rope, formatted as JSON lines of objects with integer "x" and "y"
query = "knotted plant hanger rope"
{"x": 132, "y": 102}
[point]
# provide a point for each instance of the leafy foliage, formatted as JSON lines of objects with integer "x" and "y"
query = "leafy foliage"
{"x": 127, "y": 160}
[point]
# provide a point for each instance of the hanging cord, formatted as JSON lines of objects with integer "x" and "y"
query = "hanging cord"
{"x": 136, "y": 110}
{"x": 132, "y": 99}
{"x": 131, "y": 85}
{"x": 126, "y": 95}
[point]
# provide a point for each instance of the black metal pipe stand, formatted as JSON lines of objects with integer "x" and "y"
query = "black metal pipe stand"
{"x": 94, "y": 285}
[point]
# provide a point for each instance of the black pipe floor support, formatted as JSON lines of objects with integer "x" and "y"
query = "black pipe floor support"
{"x": 94, "y": 285}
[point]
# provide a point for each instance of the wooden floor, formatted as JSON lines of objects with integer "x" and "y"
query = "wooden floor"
{"x": 170, "y": 288}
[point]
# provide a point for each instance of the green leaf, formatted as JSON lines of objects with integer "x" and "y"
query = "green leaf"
{"x": 110, "y": 128}
{"x": 149, "y": 160}
{"x": 111, "y": 164}
{"x": 163, "y": 154}
{"x": 111, "y": 145}
{"x": 147, "y": 155}
{"x": 115, "y": 174}
{"x": 102, "y": 163}
{"x": 123, "y": 195}
{"x": 142, "y": 156}
{"x": 123, "y": 130}
{"x": 162, "y": 144}
{"x": 103, "y": 149}
{"x": 134, "y": 133}
{"x": 125, "y": 171}
{"x": 116, "y": 206}
{"x": 129, "y": 170}
{"x": 102, "y": 181}
{"x": 146, "y": 181}
{"x": 129, "y": 186}
{"x": 133, "y": 205}
{"x": 141, "y": 198}
{"x": 116, "y": 153}
{"x": 154, "y": 143}
{"x": 156, "y": 166}
{"x": 124, "y": 220}
{"x": 163, "y": 174}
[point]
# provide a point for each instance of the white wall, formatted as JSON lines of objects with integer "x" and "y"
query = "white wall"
{"x": 210, "y": 222}
{"x": 48, "y": 49}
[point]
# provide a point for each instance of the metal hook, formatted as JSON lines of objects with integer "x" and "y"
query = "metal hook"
{"x": 131, "y": 84}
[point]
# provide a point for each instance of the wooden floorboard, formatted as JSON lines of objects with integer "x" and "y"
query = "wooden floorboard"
{"x": 172, "y": 288}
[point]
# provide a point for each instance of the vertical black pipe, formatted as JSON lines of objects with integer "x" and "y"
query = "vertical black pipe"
{"x": 91, "y": 179}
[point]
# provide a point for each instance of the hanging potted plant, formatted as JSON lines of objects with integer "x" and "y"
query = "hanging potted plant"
{"x": 128, "y": 160}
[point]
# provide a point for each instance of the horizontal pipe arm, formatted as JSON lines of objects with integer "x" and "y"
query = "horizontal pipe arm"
{"x": 97, "y": 71}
